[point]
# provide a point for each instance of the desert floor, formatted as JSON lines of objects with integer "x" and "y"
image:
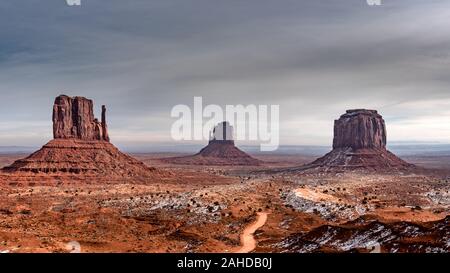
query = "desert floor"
{"x": 233, "y": 209}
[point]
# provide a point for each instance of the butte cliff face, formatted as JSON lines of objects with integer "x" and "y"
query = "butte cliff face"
{"x": 73, "y": 118}
{"x": 220, "y": 150}
{"x": 360, "y": 143}
{"x": 360, "y": 129}
{"x": 80, "y": 150}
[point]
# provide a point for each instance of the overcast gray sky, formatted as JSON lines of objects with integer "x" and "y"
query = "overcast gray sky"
{"x": 315, "y": 58}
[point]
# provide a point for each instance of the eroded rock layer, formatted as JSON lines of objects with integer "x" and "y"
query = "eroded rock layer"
{"x": 61, "y": 156}
{"x": 369, "y": 159}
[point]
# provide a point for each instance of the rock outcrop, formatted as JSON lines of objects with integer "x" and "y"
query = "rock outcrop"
{"x": 80, "y": 157}
{"x": 80, "y": 150}
{"x": 73, "y": 118}
{"x": 222, "y": 133}
{"x": 220, "y": 150}
{"x": 360, "y": 143}
{"x": 359, "y": 129}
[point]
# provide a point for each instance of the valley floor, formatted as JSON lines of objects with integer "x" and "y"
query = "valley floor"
{"x": 231, "y": 209}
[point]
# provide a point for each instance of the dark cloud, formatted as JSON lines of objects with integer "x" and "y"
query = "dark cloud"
{"x": 314, "y": 58}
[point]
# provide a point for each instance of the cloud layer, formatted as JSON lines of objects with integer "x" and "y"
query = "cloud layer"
{"x": 314, "y": 58}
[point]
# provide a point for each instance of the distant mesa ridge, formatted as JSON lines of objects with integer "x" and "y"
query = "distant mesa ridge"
{"x": 80, "y": 148}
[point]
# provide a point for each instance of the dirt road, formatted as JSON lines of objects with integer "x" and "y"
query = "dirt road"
{"x": 248, "y": 242}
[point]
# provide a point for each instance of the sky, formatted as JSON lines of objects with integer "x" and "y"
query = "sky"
{"x": 314, "y": 58}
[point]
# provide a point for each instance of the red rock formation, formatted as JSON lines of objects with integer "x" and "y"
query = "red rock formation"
{"x": 360, "y": 129}
{"x": 80, "y": 150}
{"x": 74, "y": 118}
{"x": 220, "y": 150}
{"x": 360, "y": 143}
{"x": 80, "y": 157}
{"x": 104, "y": 125}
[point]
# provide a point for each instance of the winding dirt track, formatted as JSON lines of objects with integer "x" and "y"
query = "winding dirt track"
{"x": 248, "y": 242}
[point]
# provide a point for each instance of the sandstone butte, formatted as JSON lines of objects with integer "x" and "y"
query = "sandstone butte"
{"x": 221, "y": 150}
{"x": 80, "y": 149}
{"x": 360, "y": 143}
{"x": 73, "y": 118}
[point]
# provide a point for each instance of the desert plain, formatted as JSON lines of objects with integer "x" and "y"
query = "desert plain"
{"x": 227, "y": 209}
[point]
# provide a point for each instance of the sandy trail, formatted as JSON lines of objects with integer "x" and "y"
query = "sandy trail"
{"x": 315, "y": 196}
{"x": 248, "y": 242}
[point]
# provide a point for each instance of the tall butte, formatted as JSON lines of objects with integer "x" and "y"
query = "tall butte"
{"x": 73, "y": 118}
{"x": 80, "y": 148}
{"x": 220, "y": 150}
{"x": 360, "y": 143}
